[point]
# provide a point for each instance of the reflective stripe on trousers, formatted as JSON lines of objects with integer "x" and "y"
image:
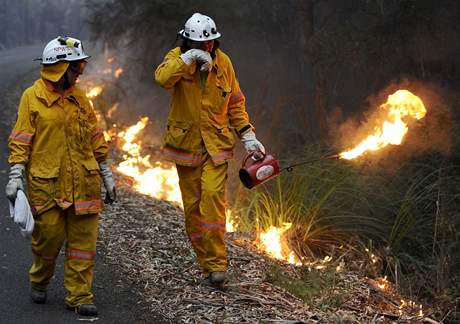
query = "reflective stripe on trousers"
{"x": 52, "y": 227}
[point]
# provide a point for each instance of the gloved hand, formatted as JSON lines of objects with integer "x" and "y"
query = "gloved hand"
{"x": 251, "y": 144}
{"x": 16, "y": 182}
{"x": 109, "y": 183}
{"x": 201, "y": 57}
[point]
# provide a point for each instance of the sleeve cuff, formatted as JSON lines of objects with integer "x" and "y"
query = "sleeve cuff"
{"x": 245, "y": 129}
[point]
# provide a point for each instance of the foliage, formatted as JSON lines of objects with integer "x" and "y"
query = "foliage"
{"x": 292, "y": 56}
{"x": 410, "y": 215}
{"x": 307, "y": 285}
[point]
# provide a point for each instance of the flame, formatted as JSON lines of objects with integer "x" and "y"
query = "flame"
{"x": 340, "y": 267}
{"x": 118, "y": 72}
{"x": 399, "y": 106}
{"x": 410, "y": 307}
{"x": 158, "y": 180}
{"x": 94, "y": 92}
{"x": 271, "y": 243}
{"x": 112, "y": 110}
{"x": 382, "y": 283}
{"x": 230, "y": 225}
{"x": 107, "y": 136}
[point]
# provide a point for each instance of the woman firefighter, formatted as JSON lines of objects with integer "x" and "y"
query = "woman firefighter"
{"x": 57, "y": 146}
{"x": 206, "y": 103}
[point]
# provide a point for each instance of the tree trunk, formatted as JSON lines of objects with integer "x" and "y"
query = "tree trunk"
{"x": 307, "y": 14}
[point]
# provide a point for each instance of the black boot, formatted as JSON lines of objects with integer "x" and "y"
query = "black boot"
{"x": 84, "y": 309}
{"x": 38, "y": 296}
{"x": 217, "y": 279}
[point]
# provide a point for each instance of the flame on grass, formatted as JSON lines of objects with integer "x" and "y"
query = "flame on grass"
{"x": 158, "y": 180}
{"x": 231, "y": 223}
{"x": 271, "y": 242}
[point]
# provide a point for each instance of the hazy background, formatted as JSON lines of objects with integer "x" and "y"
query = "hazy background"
{"x": 28, "y": 22}
{"x": 305, "y": 66}
{"x": 313, "y": 72}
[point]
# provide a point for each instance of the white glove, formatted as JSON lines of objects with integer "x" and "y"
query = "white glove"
{"x": 201, "y": 57}
{"x": 205, "y": 59}
{"x": 251, "y": 144}
{"x": 109, "y": 183}
{"x": 16, "y": 182}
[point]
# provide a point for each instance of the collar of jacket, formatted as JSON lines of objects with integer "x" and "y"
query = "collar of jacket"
{"x": 218, "y": 60}
{"x": 45, "y": 90}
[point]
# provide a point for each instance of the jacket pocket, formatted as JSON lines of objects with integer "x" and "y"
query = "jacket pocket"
{"x": 225, "y": 138}
{"x": 91, "y": 166}
{"x": 222, "y": 95}
{"x": 177, "y": 134}
{"x": 91, "y": 189}
{"x": 41, "y": 188}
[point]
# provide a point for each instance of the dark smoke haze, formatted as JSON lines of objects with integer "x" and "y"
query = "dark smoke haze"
{"x": 306, "y": 67}
{"x": 311, "y": 70}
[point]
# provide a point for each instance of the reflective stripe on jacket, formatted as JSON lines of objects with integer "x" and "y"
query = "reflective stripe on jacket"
{"x": 201, "y": 116}
{"x": 58, "y": 139}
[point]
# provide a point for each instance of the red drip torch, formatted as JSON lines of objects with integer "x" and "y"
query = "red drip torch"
{"x": 255, "y": 171}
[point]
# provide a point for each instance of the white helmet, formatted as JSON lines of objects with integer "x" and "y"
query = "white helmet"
{"x": 66, "y": 49}
{"x": 200, "y": 28}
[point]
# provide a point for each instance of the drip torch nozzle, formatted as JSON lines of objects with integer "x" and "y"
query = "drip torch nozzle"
{"x": 328, "y": 157}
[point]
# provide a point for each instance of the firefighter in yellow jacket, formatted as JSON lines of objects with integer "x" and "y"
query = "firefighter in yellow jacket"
{"x": 207, "y": 103}
{"x": 58, "y": 148}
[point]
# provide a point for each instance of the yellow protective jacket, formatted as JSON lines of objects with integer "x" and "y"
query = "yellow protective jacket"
{"x": 201, "y": 114}
{"x": 58, "y": 140}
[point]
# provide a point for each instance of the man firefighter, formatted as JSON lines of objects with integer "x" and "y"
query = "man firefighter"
{"x": 57, "y": 146}
{"x": 206, "y": 103}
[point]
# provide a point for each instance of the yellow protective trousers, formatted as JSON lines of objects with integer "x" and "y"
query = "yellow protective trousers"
{"x": 52, "y": 227}
{"x": 203, "y": 195}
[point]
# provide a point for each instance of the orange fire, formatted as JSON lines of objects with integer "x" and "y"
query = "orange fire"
{"x": 382, "y": 283}
{"x": 94, "y": 92}
{"x": 158, "y": 180}
{"x": 231, "y": 224}
{"x": 391, "y": 130}
{"x": 118, "y": 72}
{"x": 271, "y": 242}
{"x": 112, "y": 110}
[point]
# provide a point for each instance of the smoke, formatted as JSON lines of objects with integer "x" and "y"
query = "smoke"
{"x": 280, "y": 51}
{"x": 124, "y": 98}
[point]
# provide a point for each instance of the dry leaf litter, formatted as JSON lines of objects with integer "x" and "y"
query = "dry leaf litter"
{"x": 144, "y": 239}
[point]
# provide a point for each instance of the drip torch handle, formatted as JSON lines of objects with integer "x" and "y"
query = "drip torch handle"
{"x": 254, "y": 158}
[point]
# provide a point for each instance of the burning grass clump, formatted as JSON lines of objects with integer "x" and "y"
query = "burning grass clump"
{"x": 399, "y": 222}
